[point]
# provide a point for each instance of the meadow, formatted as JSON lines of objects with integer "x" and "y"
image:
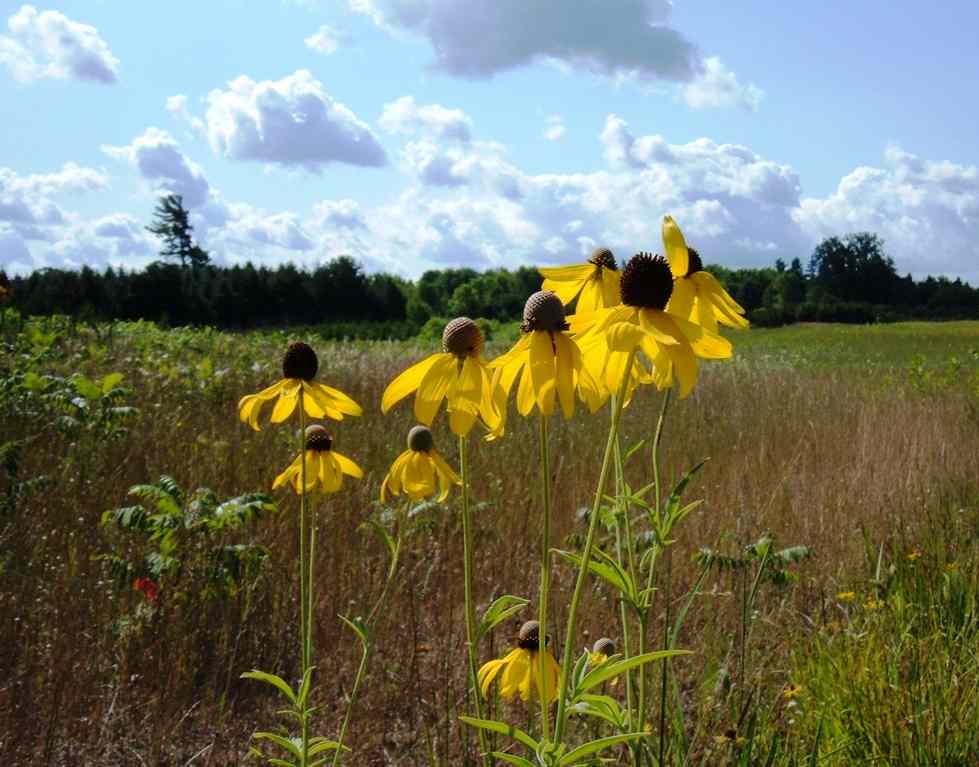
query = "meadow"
{"x": 854, "y": 449}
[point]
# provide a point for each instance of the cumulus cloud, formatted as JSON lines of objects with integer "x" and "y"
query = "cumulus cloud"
{"x": 47, "y": 44}
{"x": 177, "y": 106}
{"x": 25, "y": 200}
{"x": 554, "y": 128}
{"x": 157, "y": 157}
{"x": 926, "y": 211}
{"x": 405, "y": 116}
{"x": 481, "y": 38}
{"x": 339, "y": 214}
{"x": 717, "y": 86}
{"x": 324, "y": 40}
{"x": 292, "y": 122}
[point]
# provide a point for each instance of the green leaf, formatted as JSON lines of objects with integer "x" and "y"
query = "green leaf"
{"x": 503, "y": 729}
{"x": 357, "y": 626}
{"x": 288, "y": 744}
{"x": 34, "y": 382}
{"x": 609, "y": 670}
{"x": 111, "y": 381}
{"x": 276, "y": 681}
{"x": 673, "y": 504}
{"x": 633, "y": 450}
{"x": 598, "y": 745}
{"x": 608, "y": 570}
{"x": 502, "y": 608}
{"x": 305, "y": 687}
{"x": 87, "y": 387}
{"x": 322, "y": 745}
{"x": 519, "y": 761}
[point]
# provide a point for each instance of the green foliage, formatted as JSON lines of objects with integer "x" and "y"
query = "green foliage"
{"x": 181, "y": 535}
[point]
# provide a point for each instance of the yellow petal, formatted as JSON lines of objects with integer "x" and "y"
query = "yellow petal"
{"x": 288, "y": 398}
{"x": 591, "y": 296}
{"x": 447, "y": 477}
{"x": 287, "y": 473}
{"x": 251, "y": 404}
{"x": 419, "y": 476}
{"x": 487, "y": 400}
{"x": 564, "y": 364}
{"x": 331, "y": 475}
{"x": 542, "y": 370}
{"x": 518, "y": 351}
{"x": 432, "y": 389}
{"x": 516, "y": 675}
{"x": 704, "y": 343}
{"x": 573, "y": 273}
{"x": 525, "y": 393}
{"x": 337, "y": 399}
{"x": 624, "y": 336}
{"x": 611, "y": 290}
{"x": 552, "y": 681}
{"x": 347, "y": 466}
{"x": 407, "y": 382}
{"x": 487, "y": 673}
{"x": 676, "y": 247}
{"x": 682, "y": 297}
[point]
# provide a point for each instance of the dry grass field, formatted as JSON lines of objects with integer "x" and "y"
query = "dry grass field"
{"x": 860, "y": 443}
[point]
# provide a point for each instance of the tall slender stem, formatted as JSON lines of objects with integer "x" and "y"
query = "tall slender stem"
{"x": 623, "y": 607}
{"x": 470, "y": 607}
{"x": 545, "y": 578}
{"x": 303, "y": 603}
{"x": 560, "y": 717}
{"x": 657, "y": 438}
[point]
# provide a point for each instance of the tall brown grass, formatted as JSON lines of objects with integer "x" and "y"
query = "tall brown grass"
{"x": 828, "y": 457}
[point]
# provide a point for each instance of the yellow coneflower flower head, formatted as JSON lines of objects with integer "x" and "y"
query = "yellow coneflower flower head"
{"x": 697, "y": 295}
{"x": 792, "y": 691}
{"x": 547, "y": 361}
{"x": 299, "y": 367}
{"x": 601, "y": 651}
{"x": 419, "y": 471}
{"x": 595, "y": 284}
{"x": 671, "y": 343}
{"x": 457, "y": 375}
{"x": 324, "y": 466}
{"x": 521, "y": 669}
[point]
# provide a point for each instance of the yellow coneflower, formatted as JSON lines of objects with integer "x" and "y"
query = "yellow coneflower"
{"x": 549, "y": 360}
{"x": 601, "y": 651}
{"x": 608, "y": 336}
{"x": 697, "y": 295}
{"x": 521, "y": 669}
{"x": 596, "y": 283}
{"x": 419, "y": 470}
{"x": 324, "y": 466}
{"x": 457, "y": 374}
{"x": 299, "y": 366}
{"x": 792, "y": 691}
{"x": 846, "y": 596}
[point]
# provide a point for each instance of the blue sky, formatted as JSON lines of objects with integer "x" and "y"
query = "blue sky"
{"x": 425, "y": 133}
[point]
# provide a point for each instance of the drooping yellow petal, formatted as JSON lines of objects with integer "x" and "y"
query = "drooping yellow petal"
{"x": 565, "y": 372}
{"x": 419, "y": 476}
{"x": 517, "y": 351}
{"x": 525, "y": 392}
{"x": 250, "y": 406}
{"x": 704, "y": 343}
{"x": 433, "y": 387}
{"x": 676, "y": 247}
{"x": 487, "y": 673}
{"x": 347, "y": 466}
{"x": 287, "y": 473}
{"x": 682, "y": 298}
{"x": 516, "y": 675}
{"x": 703, "y": 313}
{"x": 407, "y": 382}
{"x": 542, "y": 370}
{"x": 447, "y": 477}
{"x": 392, "y": 480}
{"x": 464, "y": 396}
{"x": 726, "y": 309}
{"x": 573, "y": 273}
{"x": 487, "y": 398}
{"x": 611, "y": 290}
{"x": 590, "y": 298}
{"x": 338, "y": 400}
{"x": 331, "y": 475}
{"x": 624, "y": 336}
{"x": 552, "y": 677}
{"x": 288, "y": 398}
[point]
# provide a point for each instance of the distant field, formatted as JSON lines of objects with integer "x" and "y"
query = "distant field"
{"x": 861, "y": 442}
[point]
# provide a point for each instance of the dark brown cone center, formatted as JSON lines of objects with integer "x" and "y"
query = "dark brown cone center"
{"x": 605, "y": 646}
{"x": 543, "y": 311}
{"x": 647, "y": 282}
{"x": 300, "y": 362}
{"x": 603, "y": 258}
{"x": 318, "y": 439}
{"x": 462, "y": 337}
{"x": 420, "y": 439}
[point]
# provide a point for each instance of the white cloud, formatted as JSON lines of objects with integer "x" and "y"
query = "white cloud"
{"x": 339, "y": 214}
{"x": 25, "y": 201}
{"x": 292, "y": 122}
{"x": 324, "y": 40}
{"x": 48, "y": 44}
{"x": 157, "y": 157}
{"x": 177, "y": 106}
{"x": 717, "y": 86}
{"x": 554, "y": 130}
{"x": 480, "y": 38}
{"x": 927, "y": 212}
{"x": 404, "y": 116}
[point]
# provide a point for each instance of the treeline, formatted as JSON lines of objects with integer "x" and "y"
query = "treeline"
{"x": 849, "y": 279}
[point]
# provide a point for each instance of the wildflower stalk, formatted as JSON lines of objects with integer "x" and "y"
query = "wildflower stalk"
{"x": 367, "y": 648}
{"x": 470, "y": 607}
{"x": 627, "y": 562}
{"x": 304, "y": 604}
{"x": 560, "y": 718}
{"x": 657, "y": 438}
{"x": 545, "y": 575}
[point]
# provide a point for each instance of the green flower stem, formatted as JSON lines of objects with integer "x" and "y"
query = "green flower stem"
{"x": 303, "y": 603}
{"x": 560, "y": 718}
{"x": 368, "y": 647}
{"x": 470, "y": 607}
{"x": 623, "y": 608}
{"x": 545, "y": 576}
{"x": 657, "y": 439}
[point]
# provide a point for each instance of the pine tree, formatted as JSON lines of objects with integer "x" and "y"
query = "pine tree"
{"x": 172, "y": 224}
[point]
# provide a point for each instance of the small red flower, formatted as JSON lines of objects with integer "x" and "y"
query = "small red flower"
{"x": 149, "y": 587}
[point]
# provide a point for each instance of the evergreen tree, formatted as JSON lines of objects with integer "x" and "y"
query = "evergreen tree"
{"x": 172, "y": 225}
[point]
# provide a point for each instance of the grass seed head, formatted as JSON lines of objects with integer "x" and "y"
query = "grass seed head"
{"x": 543, "y": 311}
{"x": 420, "y": 439}
{"x": 462, "y": 337}
{"x": 317, "y": 438}
{"x": 647, "y": 282}
{"x": 300, "y": 361}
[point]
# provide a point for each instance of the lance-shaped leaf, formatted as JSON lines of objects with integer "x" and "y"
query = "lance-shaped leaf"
{"x": 276, "y": 681}
{"x": 608, "y": 570}
{"x": 357, "y": 626}
{"x": 610, "y": 670}
{"x": 595, "y": 746}
{"x": 503, "y": 729}
{"x": 518, "y": 761}
{"x": 502, "y": 608}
